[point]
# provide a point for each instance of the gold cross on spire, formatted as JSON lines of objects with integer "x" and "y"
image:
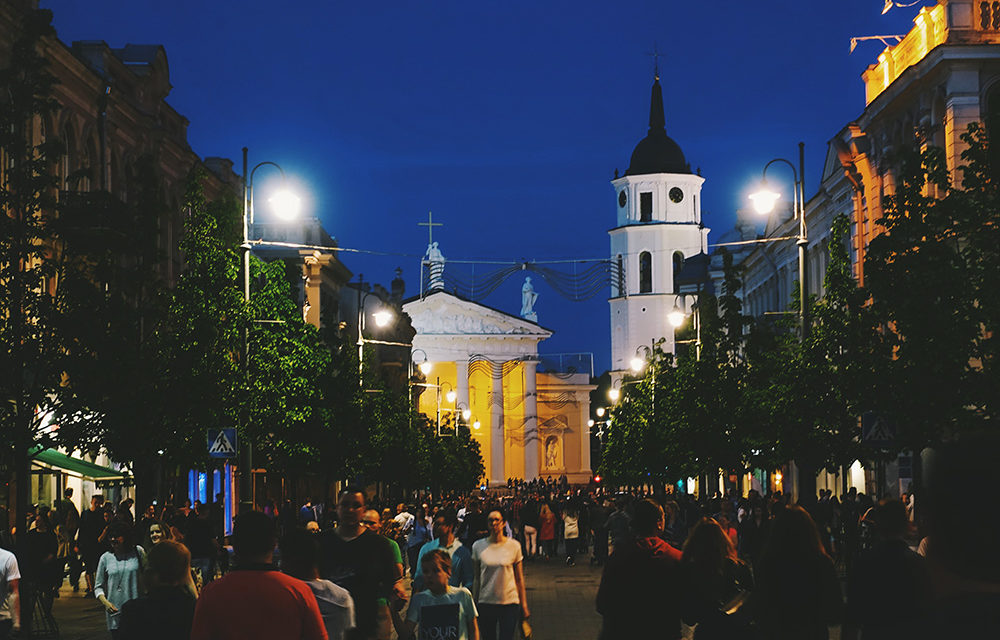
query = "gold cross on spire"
{"x": 656, "y": 55}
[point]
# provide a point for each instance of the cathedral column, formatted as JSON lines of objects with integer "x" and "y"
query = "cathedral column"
{"x": 462, "y": 386}
{"x": 496, "y": 427}
{"x": 584, "y": 404}
{"x": 530, "y": 420}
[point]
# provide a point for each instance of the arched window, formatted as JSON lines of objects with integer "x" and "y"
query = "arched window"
{"x": 646, "y": 206}
{"x": 678, "y": 265}
{"x": 645, "y": 272}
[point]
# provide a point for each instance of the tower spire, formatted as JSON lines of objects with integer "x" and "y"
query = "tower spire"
{"x": 657, "y": 122}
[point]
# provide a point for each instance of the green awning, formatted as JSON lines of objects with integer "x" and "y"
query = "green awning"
{"x": 53, "y": 458}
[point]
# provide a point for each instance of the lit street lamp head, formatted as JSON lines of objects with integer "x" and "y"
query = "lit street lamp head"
{"x": 466, "y": 414}
{"x": 285, "y": 204}
{"x": 425, "y": 367}
{"x": 764, "y": 199}
{"x": 637, "y": 364}
{"x": 450, "y": 396}
{"x": 600, "y": 412}
{"x": 676, "y": 316}
{"x": 382, "y": 317}
{"x": 614, "y": 394}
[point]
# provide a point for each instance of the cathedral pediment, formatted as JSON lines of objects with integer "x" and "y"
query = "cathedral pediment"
{"x": 444, "y": 314}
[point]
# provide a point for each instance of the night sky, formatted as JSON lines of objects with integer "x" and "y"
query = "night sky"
{"x": 506, "y": 119}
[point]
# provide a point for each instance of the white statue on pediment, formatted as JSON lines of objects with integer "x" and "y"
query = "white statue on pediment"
{"x": 528, "y": 298}
{"x": 435, "y": 266}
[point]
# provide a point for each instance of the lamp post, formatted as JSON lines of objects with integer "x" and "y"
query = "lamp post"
{"x": 677, "y": 316}
{"x": 764, "y": 201}
{"x": 383, "y": 318}
{"x": 286, "y": 205}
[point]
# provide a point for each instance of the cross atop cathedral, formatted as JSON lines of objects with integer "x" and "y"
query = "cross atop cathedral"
{"x": 656, "y": 55}
{"x": 430, "y": 224}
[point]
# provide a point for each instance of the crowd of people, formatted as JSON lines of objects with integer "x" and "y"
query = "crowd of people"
{"x": 730, "y": 566}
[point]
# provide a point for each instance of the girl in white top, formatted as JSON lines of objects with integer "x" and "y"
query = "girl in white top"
{"x": 499, "y": 581}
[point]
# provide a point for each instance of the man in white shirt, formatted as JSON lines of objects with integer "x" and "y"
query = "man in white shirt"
{"x": 10, "y": 600}
{"x": 300, "y": 559}
{"x": 403, "y": 517}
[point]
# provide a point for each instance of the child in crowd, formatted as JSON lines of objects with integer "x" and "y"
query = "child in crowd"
{"x": 448, "y": 609}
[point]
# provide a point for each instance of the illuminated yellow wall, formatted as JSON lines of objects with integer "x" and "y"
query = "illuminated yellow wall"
{"x": 513, "y": 408}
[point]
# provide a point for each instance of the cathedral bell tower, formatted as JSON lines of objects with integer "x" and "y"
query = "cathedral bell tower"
{"x": 658, "y": 227}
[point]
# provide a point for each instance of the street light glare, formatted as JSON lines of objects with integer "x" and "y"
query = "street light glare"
{"x": 425, "y": 367}
{"x": 614, "y": 394}
{"x": 676, "y": 316}
{"x": 466, "y": 414}
{"x": 285, "y": 204}
{"x": 764, "y": 200}
{"x": 451, "y": 395}
{"x": 476, "y": 425}
{"x": 590, "y": 422}
{"x": 382, "y": 317}
{"x": 600, "y": 412}
{"x": 637, "y": 364}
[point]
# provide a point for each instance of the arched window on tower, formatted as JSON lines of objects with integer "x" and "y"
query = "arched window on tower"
{"x": 678, "y": 265}
{"x": 645, "y": 272}
{"x": 646, "y": 206}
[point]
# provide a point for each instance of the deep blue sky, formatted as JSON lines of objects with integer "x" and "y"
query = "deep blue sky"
{"x": 506, "y": 119}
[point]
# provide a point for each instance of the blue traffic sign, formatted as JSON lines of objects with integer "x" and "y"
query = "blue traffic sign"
{"x": 222, "y": 443}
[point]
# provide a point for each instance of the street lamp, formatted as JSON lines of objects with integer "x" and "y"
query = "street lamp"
{"x": 286, "y": 205}
{"x": 763, "y": 202}
{"x": 383, "y": 317}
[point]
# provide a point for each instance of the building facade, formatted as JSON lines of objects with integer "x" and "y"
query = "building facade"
{"x": 483, "y": 376}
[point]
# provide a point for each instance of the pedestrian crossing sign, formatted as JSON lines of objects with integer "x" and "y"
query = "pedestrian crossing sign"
{"x": 222, "y": 443}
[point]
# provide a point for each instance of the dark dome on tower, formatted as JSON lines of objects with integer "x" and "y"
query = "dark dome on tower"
{"x": 657, "y": 152}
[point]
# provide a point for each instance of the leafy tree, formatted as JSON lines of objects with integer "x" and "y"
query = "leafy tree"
{"x": 934, "y": 276}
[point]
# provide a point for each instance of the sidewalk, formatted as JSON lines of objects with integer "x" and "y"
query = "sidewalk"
{"x": 79, "y": 618}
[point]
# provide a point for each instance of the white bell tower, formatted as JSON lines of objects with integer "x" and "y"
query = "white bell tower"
{"x": 658, "y": 227}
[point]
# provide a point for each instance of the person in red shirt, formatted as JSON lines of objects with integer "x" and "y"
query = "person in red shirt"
{"x": 641, "y": 584}
{"x": 254, "y": 600}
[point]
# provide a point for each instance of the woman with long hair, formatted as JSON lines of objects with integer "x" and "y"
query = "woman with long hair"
{"x": 798, "y": 595}
{"x": 718, "y": 583}
{"x": 119, "y": 572}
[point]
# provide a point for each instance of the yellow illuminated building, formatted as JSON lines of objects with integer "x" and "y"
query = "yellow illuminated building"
{"x": 482, "y": 373}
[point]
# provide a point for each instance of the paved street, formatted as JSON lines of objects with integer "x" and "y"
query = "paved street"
{"x": 561, "y": 600}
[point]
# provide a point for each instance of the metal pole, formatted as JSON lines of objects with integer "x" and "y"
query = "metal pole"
{"x": 361, "y": 338}
{"x": 246, "y": 448}
{"x": 803, "y": 243}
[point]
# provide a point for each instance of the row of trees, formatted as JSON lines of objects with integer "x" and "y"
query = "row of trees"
{"x": 916, "y": 348}
{"x": 97, "y": 353}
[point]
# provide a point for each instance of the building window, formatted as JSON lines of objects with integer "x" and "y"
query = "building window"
{"x": 645, "y": 272}
{"x": 678, "y": 265}
{"x": 646, "y": 206}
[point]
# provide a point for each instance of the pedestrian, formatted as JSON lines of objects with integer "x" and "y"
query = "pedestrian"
{"x": 793, "y": 557}
{"x": 641, "y": 583}
{"x": 419, "y": 533}
{"x": 66, "y": 528}
{"x": 371, "y": 520}
{"x": 461, "y": 569}
{"x": 88, "y": 542}
{"x": 166, "y": 612}
{"x": 889, "y": 592}
{"x": 499, "y": 588}
{"x": 529, "y": 518}
{"x": 442, "y": 610}
{"x": 599, "y": 530}
{"x": 547, "y": 530}
{"x": 119, "y": 573}
{"x": 201, "y": 542}
{"x": 300, "y": 553}
{"x": 10, "y": 595}
{"x": 360, "y": 561}
{"x": 571, "y": 532}
{"x": 717, "y": 584}
{"x": 253, "y": 600}
{"x": 618, "y": 525}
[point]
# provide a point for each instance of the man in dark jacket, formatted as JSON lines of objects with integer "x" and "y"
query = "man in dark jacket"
{"x": 641, "y": 583}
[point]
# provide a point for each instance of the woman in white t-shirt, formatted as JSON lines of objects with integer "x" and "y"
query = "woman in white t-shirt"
{"x": 499, "y": 582}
